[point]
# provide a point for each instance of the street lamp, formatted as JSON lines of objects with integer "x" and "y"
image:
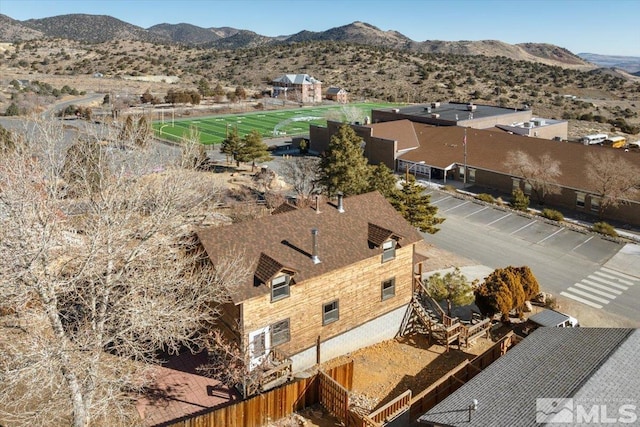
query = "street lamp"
{"x": 408, "y": 168}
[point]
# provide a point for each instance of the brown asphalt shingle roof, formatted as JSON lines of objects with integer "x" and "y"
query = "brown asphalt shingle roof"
{"x": 399, "y": 130}
{"x": 488, "y": 149}
{"x": 285, "y": 239}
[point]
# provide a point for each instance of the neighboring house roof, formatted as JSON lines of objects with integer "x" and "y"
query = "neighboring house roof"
{"x": 551, "y": 363}
{"x": 402, "y": 131}
{"x": 178, "y": 390}
{"x": 442, "y": 146}
{"x": 549, "y": 318}
{"x": 283, "y": 242}
{"x": 335, "y": 90}
{"x": 296, "y": 79}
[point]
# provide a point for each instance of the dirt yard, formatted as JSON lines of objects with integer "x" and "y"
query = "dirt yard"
{"x": 386, "y": 370}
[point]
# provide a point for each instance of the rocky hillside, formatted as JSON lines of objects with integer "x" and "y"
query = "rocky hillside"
{"x": 90, "y": 28}
{"x": 99, "y": 29}
{"x": 13, "y": 31}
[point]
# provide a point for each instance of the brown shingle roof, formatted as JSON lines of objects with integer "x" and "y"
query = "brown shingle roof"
{"x": 378, "y": 235}
{"x": 343, "y": 239}
{"x": 488, "y": 149}
{"x": 399, "y": 130}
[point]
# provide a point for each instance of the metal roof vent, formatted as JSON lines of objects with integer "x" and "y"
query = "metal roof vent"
{"x": 340, "y": 202}
{"x": 314, "y": 243}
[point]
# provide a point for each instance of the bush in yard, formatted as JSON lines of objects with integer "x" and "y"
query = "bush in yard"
{"x": 604, "y": 228}
{"x": 449, "y": 188}
{"x": 486, "y": 198}
{"x": 519, "y": 201}
{"x": 552, "y": 214}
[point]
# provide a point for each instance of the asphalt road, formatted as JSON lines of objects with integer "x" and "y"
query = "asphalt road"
{"x": 565, "y": 262}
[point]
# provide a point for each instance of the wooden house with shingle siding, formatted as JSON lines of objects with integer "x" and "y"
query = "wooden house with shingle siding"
{"x": 327, "y": 279}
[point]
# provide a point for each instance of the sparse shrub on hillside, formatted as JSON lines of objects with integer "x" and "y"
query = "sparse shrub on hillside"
{"x": 552, "y": 214}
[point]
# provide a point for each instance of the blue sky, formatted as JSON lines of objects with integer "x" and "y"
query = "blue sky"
{"x": 594, "y": 26}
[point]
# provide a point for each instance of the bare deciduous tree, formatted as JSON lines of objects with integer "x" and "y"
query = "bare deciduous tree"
{"x": 613, "y": 179}
{"x": 194, "y": 155}
{"x": 95, "y": 282}
{"x": 303, "y": 174}
{"x": 541, "y": 173}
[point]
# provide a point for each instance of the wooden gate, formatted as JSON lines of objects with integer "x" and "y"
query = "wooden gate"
{"x": 333, "y": 397}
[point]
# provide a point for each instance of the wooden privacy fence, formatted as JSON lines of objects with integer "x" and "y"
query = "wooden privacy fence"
{"x": 459, "y": 375}
{"x": 334, "y": 398}
{"x": 392, "y": 409}
{"x": 275, "y": 404}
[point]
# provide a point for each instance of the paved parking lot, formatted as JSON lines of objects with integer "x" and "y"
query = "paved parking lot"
{"x": 566, "y": 262}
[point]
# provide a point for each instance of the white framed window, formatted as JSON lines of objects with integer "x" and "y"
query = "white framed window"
{"x": 280, "y": 332}
{"x": 258, "y": 344}
{"x": 580, "y": 200}
{"x": 595, "y": 203}
{"x": 388, "y": 288}
{"x": 330, "y": 312}
{"x": 388, "y": 250}
{"x": 461, "y": 172}
{"x": 280, "y": 287}
{"x": 527, "y": 188}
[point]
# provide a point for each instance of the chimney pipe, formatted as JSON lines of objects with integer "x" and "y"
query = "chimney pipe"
{"x": 340, "y": 203}
{"x": 317, "y": 203}
{"x": 314, "y": 242}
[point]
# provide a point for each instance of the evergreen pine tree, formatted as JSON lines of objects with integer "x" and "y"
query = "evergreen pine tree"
{"x": 416, "y": 207}
{"x": 383, "y": 180}
{"x": 344, "y": 168}
{"x": 253, "y": 149}
{"x": 231, "y": 146}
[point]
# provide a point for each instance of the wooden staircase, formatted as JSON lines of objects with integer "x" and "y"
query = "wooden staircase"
{"x": 425, "y": 313}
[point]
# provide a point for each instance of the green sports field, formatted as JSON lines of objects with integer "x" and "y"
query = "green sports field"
{"x": 270, "y": 124}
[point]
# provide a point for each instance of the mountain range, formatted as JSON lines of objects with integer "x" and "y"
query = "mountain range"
{"x": 102, "y": 28}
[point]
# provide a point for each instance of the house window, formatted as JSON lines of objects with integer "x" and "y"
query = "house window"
{"x": 330, "y": 312}
{"x": 515, "y": 185}
{"x": 279, "y": 287}
{"x": 388, "y": 288}
{"x": 472, "y": 175}
{"x": 258, "y": 345}
{"x": 461, "y": 172}
{"x": 280, "y": 333}
{"x": 388, "y": 250}
{"x": 527, "y": 188}
{"x": 580, "y": 200}
{"x": 595, "y": 203}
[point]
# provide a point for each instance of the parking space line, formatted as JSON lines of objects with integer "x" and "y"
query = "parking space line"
{"x": 550, "y": 235}
{"x": 595, "y": 291}
{"x": 444, "y": 198}
{"x": 582, "y": 300}
{"x": 523, "y": 227}
{"x": 473, "y": 213}
{"x": 456, "y": 206}
{"x": 502, "y": 217}
{"x": 582, "y": 243}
